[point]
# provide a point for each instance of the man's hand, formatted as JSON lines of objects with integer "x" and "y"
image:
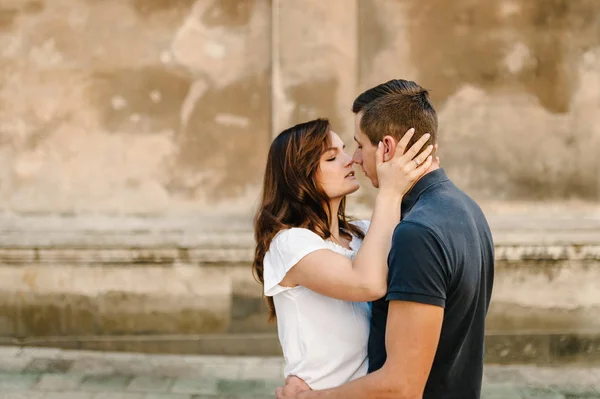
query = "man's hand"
{"x": 293, "y": 386}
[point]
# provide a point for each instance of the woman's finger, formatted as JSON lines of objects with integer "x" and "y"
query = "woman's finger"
{"x": 379, "y": 154}
{"x": 404, "y": 141}
{"x": 422, "y": 168}
{"x": 422, "y": 157}
{"x": 414, "y": 150}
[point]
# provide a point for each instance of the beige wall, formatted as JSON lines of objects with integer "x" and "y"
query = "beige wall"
{"x": 168, "y": 106}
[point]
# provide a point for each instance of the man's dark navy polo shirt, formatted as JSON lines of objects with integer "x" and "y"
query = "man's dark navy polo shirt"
{"x": 442, "y": 254}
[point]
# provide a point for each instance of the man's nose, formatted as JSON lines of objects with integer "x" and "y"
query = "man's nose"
{"x": 356, "y": 158}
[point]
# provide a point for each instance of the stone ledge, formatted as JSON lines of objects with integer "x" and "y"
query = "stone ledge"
{"x": 258, "y": 344}
{"x": 124, "y": 256}
{"x": 532, "y": 228}
{"x": 513, "y": 348}
{"x": 58, "y": 372}
{"x": 165, "y": 255}
{"x": 547, "y": 252}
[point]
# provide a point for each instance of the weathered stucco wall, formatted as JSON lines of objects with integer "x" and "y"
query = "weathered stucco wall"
{"x": 113, "y": 111}
{"x": 516, "y": 84}
{"x": 132, "y": 106}
{"x": 161, "y": 107}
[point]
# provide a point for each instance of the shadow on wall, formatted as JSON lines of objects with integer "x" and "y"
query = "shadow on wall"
{"x": 221, "y": 131}
{"x": 9, "y": 12}
{"x": 516, "y": 84}
{"x": 224, "y": 143}
{"x": 519, "y": 45}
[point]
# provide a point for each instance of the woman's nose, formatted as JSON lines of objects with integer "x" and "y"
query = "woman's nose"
{"x": 350, "y": 161}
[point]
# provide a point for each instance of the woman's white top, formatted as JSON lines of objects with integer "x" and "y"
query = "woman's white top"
{"x": 324, "y": 340}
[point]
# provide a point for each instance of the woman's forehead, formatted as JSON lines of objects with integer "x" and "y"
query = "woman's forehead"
{"x": 336, "y": 141}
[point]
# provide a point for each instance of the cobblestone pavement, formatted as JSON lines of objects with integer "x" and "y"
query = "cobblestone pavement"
{"x": 39, "y": 373}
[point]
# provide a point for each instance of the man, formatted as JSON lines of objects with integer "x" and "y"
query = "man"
{"x": 427, "y": 333}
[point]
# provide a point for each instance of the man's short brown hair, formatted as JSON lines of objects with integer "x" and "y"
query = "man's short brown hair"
{"x": 403, "y": 106}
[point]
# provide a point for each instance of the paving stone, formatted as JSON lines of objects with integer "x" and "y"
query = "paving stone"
{"x": 206, "y": 359}
{"x": 14, "y": 364}
{"x": 136, "y": 366}
{"x": 58, "y": 382}
{"x": 499, "y": 391}
{"x": 98, "y": 375}
{"x": 242, "y": 388}
{"x": 575, "y": 391}
{"x": 595, "y": 373}
{"x": 49, "y": 366}
{"x": 271, "y": 385}
{"x": 69, "y": 395}
{"x": 195, "y": 386}
{"x": 219, "y": 397}
{"x": 17, "y": 382}
{"x": 226, "y": 371}
{"x": 95, "y": 366}
{"x": 122, "y": 356}
{"x": 9, "y": 351}
{"x": 22, "y": 395}
{"x": 504, "y": 376}
{"x": 255, "y": 361}
{"x": 267, "y": 370}
{"x": 45, "y": 353}
{"x": 102, "y": 383}
{"x": 151, "y": 384}
{"x": 167, "y": 396}
{"x": 119, "y": 395}
{"x": 72, "y": 354}
{"x": 176, "y": 368}
{"x": 540, "y": 393}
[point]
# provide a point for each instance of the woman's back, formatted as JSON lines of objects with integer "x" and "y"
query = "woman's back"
{"x": 324, "y": 340}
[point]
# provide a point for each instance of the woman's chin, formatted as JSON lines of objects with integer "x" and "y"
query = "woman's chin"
{"x": 346, "y": 191}
{"x": 354, "y": 189}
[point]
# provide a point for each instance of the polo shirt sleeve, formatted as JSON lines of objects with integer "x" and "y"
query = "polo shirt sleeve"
{"x": 418, "y": 270}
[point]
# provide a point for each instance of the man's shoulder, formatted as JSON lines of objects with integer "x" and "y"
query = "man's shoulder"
{"x": 414, "y": 231}
{"x": 444, "y": 207}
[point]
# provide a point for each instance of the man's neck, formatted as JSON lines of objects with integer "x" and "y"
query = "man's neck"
{"x": 434, "y": 166}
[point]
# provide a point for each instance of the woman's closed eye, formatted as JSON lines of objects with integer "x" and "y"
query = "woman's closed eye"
{"x": 331, "y": 159}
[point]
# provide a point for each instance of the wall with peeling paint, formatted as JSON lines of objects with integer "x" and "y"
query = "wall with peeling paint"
{"x": 168, "y": 106}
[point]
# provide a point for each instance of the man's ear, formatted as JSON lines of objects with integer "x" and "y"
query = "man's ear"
{"x": 389, "y": 147}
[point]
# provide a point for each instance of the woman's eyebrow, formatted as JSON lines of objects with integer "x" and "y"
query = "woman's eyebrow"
{"x": 335, "y": 148}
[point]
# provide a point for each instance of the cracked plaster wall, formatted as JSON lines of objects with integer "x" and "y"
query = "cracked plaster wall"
{"x": 159, "y": 107}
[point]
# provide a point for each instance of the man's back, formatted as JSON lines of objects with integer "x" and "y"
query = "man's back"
{"x": 442, "y": 254}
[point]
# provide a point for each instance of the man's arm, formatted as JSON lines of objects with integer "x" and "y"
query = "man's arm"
{"x": 413, "y": 331}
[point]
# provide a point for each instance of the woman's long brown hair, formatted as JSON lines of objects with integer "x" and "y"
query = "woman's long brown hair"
{"x": 291, "y": 195}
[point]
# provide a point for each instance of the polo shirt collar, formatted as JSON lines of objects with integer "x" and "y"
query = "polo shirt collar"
{"x": 431, "y": 178}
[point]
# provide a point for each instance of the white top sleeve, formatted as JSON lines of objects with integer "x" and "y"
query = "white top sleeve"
{"x": 362, "y": 224}
{"x": 287, "y": 248}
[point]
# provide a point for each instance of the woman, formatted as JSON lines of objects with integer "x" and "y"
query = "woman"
{"x": 318, "y": 268}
